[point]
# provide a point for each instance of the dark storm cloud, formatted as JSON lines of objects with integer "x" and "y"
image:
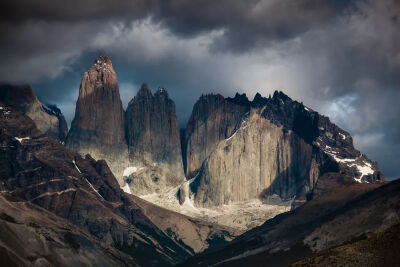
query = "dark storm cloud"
{"x": 72, "y": 10}
{"x": 339, "y": 57}
{"x": 247, "y": 23}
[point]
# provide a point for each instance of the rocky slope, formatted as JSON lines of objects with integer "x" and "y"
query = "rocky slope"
{"x": 153, "y": 140}
{"x": 48, "y": 119}
{"x": 197, "y": 234}
{"x": 32, "y": 236}
{"x": 37, "y": 171}
{"x": 275, "y": 147}
{"x": 374, "y": 249}
{"x": 343, "y": 215}
{"x": 98, "y": 126}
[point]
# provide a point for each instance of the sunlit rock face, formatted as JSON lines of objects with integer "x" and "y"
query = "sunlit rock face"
{"x": 258, "y": 156}
{"x": 213, "y": 119}
{"x": 153, "y": 139}
{"x": 48, "y": 119}
{"x": 278, "y": 147}
{"x": 98, "y": 126}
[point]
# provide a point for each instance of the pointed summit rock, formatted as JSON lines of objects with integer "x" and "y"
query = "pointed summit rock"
{"x": 153, "y": 139}
{"x": 144, "y": 91}
{"x": 98, "y": 126}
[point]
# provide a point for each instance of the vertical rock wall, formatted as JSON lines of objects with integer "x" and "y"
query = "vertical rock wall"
{"x": 153, "y": 139}
{"x": 98, "y": 126}
{"x": 259, "y": 159}
{"x": 213, "y": 119}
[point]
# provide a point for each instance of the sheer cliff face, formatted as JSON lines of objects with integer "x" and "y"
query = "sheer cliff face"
{"x": 259, "y": 156}
{"x": 279, "y": 148}
{"x": 213, "y": 119}
{"x": 98, "y": 126}
{"x": 153, "y": 139}
{"x": 48, "y": 119}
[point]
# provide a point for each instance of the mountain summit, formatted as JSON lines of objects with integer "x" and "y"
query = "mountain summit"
{"x": 239, "y": 150}
{"x": 98, "y": 126}
{"x": 153, "y": 139}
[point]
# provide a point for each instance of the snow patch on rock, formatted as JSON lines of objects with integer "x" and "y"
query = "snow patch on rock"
{"x": 94, "y": 189}
{"x": 241, "y": 216}
{"x": 364, "y": 170}
{"x": 242, "y": 126}
{"x": 128, "y": 171}
{"x": 76, "y": 166}
{"x": 126, "y": 188}
{"x": 20, "y": 139}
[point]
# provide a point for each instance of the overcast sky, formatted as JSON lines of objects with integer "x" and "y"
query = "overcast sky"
{"x": 341, "y": 58}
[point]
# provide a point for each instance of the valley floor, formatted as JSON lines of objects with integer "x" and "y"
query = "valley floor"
{"x": 240, "y": 216}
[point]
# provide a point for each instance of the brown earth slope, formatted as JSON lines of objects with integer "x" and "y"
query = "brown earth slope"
{"x": 377, "y": 249}
{"x": 335, "y": 218}
{"x": 39, "y": 171}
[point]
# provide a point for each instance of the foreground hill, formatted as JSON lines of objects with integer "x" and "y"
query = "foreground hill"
{"x": 33, "y": 236}
{"x": 37, "y": 172}
{"x": 377, "y": 249}
{"x": 343, "y": 215}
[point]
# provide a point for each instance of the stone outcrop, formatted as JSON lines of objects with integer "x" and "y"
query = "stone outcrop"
{"x": 280, "y": 148}
{"x": 81, "y": 197}
{"x": 213, "y": 119}
{"x": 48, "y": 118}
{"x": 98, "y": 126}
{"x": 153, "y": 140}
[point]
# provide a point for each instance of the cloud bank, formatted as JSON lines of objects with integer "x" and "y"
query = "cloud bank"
{"x": 340, "y": 57}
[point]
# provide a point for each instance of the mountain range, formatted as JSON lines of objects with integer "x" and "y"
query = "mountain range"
{"x": 259, "y": 181}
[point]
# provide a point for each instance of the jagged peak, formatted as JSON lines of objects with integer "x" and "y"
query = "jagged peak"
{"x": 210, "y": 96}
{"x": 144, "y": 88}
{"x": 161, "y": 92}
{"x": 52, "y": 109}
{"x": 144, "y": 91}
{"x": 281, "y": 95}
{"x": 259, "y": 100}
{"x": 102, "y": 63}
{"x": 240, "y": 99}
{"x": 102, "y": 59}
